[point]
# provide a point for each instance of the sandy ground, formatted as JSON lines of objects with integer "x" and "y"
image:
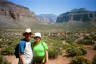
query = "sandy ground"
{"x": 90, "y": 53}
{"x": 60, "y": 59}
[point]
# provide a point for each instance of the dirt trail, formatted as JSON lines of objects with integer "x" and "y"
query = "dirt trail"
{"x": 12, "y": 59}
{"x": 90, "y": 53}
{"x": 60, "y": 59}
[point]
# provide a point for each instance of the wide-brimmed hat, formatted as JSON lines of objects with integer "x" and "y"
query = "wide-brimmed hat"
{"x": 28, "y": 30}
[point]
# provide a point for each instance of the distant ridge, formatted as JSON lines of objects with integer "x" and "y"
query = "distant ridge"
{"x": 47, "y": 17}
{"x": 77, "y": 15}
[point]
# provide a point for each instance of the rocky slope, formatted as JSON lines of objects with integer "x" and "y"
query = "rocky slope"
{"x": 12, "y": 15}
{"x": 77, "y": 15}
{"x": 14, "y": 10}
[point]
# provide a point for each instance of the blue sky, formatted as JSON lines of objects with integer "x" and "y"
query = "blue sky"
{"x": 56, "y": 6}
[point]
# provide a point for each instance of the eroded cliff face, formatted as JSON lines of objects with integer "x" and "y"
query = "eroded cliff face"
{"x": 77, "y": 15}
{"x": 14, "y": 11}
{"x": 15, "y": 16}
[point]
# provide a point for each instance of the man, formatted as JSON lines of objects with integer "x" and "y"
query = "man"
{"x": 40, "y": 50}
{"x": 25, "y": 49}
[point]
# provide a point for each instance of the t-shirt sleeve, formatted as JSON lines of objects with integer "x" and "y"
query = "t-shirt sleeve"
{"x": 45, "y": 46}
{"x": 21, "y": 48}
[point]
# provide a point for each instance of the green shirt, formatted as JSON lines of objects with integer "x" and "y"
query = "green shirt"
{"x": 39, "y": 49}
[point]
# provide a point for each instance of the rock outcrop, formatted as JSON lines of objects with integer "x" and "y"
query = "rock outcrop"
{"x": 77, "y": 15}
{"x": 15, "y": 16}
{"x": 14, "y": 11}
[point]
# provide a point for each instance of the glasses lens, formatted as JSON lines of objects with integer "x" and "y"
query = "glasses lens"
{"x": 36, "y": 37}
{"x": 28, "y": 33}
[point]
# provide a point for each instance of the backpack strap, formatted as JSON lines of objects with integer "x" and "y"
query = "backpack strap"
{"x": 43, "y": 46}
{"x": 44, "y": 59}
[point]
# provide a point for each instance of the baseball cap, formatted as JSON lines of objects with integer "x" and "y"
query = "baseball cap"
{"x": 37, "y": 34}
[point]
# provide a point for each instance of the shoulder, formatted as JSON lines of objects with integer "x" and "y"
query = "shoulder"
{"x": 22, "y": 42}
{"x": 43, "y": 43}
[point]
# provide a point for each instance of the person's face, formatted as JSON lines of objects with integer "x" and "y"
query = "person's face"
{"x": 27, "y": 36}
{"x": 37, "y": 39}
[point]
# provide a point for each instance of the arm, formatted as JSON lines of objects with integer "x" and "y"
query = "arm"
{"x": 22, "y": 59}
{"x": 21, "y": 51}
{"x": 46, "y": 57}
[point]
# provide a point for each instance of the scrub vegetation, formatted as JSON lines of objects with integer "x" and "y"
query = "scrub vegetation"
{"x": 73, "y": 44}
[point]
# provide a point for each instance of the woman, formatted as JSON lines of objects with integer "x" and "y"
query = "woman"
{"x": 40, "y": 50}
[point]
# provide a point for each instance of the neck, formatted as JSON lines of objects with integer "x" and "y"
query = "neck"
{"x": 27, "y": 40}
{"x": 37, "y": 41}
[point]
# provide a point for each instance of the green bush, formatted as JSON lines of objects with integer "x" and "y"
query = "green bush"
{"x": 83, "y": 49}
{"x": 75, "y": 49}
{"x": 95, "y": 46}
{"x": 86, "y": 42}
{"x": 0, "y": 44}
{"x": 71, "y": 38}
{"x": 54, "y": 52}
{"x": 3, "y": 61}
{"x": 55, "y": 47}
{"x": 7, "y": 51}
{"x": 94, "y": 60}
{"x": 80, "y": 60}
{"x": 73, "y": 52}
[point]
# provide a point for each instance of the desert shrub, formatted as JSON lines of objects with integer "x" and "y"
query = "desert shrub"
{"x": 7, "y": 51}
{"x": 54, "y": 52}
{"x": 3, "y": 60}
{"x": 85, "y": 42}
{"x": 73, "y": 52}
{"x": 94, "y": 60}
{"x": 80, "y": 47}
{"x": 80, "y": 60}
{"x": 71, "y": 39}
{"x": 55, "y": 47}
{"x": 83, "y": 49}
{"x": 66, "y": 45}
{"x": 87, "y": 37}
{"x": 75, "y": 49}
{"x": 0, "y": 44}
{"x": 95, "y": 46}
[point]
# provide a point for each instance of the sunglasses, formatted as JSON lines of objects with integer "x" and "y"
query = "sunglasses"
{"x": 36, "y": 37}
{"x": 28, "y": 33}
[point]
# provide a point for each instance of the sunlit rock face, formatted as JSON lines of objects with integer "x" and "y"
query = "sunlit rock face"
{"x": 13, "y": 10}
{"x": 77, "y": 15}
{"x": 13, "y": 15}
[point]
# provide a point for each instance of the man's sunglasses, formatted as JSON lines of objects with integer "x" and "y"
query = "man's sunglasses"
{"x": 28, "y": 33}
